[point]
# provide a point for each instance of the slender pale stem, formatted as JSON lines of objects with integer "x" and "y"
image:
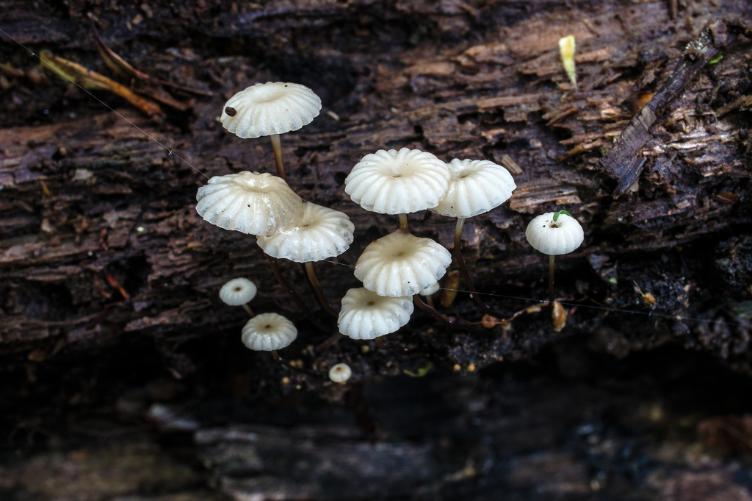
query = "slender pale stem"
{"x": 248, "y": 310}
{"x": 277, "y": 146}
{"x": 403, "y": 222}
{"x": 458, "y": 235}
{"x": 551, "y": 275}
{"x": 313, "y": 281}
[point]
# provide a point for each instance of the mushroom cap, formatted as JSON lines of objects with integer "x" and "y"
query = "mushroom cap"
{"x": 340, "y": 373}
{"x": 476, "y": 186}
{"x": 430, "y": 290}
{"x": 249, "y": 202}
{"x": 237, "y": 292}
{"x": 398, "y": 182}
{"x": 401, "y": 264}
{"x": 320, "y": 233}
{"x": 268, "y": 332}
{"x": 270, "y": 108}
{"x": 554, "y": 238}
{"x": 366, "y": 315}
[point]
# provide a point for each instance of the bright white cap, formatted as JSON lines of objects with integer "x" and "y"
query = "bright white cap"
{"x": 340, "y": 373}
{"x": 270, "y": 108}
{"x": 249, "y": 202}
{"x": 319, "y": 234}
{"x": 430, "y": 290}
{"x": 237, "y": 292}
{"x": 554, "y": 237}
{"x": 476, "y": 186}
{"x": 366, "y": 315}
{"x": 401, "y": 264}
{"x": 268, "y": 332}
{"x": 398, "y": 182}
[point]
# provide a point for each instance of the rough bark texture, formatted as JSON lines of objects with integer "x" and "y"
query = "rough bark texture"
{"x": 116, "y": 350}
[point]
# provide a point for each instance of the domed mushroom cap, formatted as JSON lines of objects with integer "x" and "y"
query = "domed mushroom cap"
{"x": 319, "y": 234}
{"x": 340, "y": 373}
{"x": 366, "y": 315}
{"x": 249, "y": 202}
{"x": 476, "y": 186}
{"x": 430, "y": 290}
{"x": 270, "y": 108}
{"x": 554, "y": 238}
{"x": 401, "y": 264}
{"x": 268, "y": 332}
{"x": 398, "y": 182}
{"x": 237, "y": 292}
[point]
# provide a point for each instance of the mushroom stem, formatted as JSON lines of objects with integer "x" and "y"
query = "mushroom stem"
{"x": 432, "y": 311}
{"x": 429, "y": 300}
{"x": 458, "y": 234}
{"x": 464, "y": 272}
{"x": 313, "y": 281}
{"x": 551, "y": 275}
{"x": 277, "y": 146}
{"x": 403, "y": 222}
{"x": 248, "y": 310}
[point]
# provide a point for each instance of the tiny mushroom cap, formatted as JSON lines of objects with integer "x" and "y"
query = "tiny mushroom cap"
{"x": 430, "y": 290}
{"x": 249, "y": 202}
{"x": 366, "y": 315}
{"x": 401, "y": 264}
{"x": 554, "y": 233}
{"x": 340, "y": 373}
{"x": 268, "y": 332}
{"x": 319, "y": 234}
{"x": 398, "y": 182}
{"x": 476, "y": 186}
{"x": 265, "y": 109}
{"x": 237, "y": 292}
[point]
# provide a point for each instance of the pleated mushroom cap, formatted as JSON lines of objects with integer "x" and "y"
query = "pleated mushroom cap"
{"x": 270, "y": 108}
{"x": 554, "y": 238}
{"x": 476, "y": 186}
{"x": 249, "y": 202}
{"x": 319, "y": 234}
{"x": 366, "y": 315}
{"x": 401, "y": 264}
{"x": 237, "y": 292}
{"x": 398, "y": 182}
{"x": 268, "y": 332}
{"x": 430, "y": 290}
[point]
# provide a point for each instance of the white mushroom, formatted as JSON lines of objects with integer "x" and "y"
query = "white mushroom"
{"x": 430, "y": 290}
{"x": 398, "y": 182}
{"x": 366, "y": 315}
{"x": 237, "y": 292}
{"x": 401, "y": 264}
{"x": 476, "y": 186}
{"x": 249, "y": 202}
{"x": 268, "y": 332}
{"x": 340, "y": 373}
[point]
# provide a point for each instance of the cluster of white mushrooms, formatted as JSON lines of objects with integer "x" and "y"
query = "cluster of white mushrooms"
{"x": 393, "y": 269}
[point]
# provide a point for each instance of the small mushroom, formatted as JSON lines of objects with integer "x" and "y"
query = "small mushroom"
{"x": 270, "y": 109}
{"x": 268, "y": 332}
{"x": 320, "y": 233}
{"x": 401, "y": 264}
{"x": 554, "y": 234}
{"x": 340, "y": 373}
{"x": 238, "y": 292}
{"x": 398, "y": 182}
{"x": 366, "y": 315}
{"x": 249, "y": 202}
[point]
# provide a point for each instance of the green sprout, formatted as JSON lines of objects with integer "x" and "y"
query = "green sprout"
{"x": 559, "y": 213}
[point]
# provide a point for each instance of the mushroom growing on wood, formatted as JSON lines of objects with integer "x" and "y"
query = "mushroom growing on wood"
{"x": 554, "y": 234}
{"x": 270, "y": 109}
{"x": 340, "y": 373}
{"x": 268, "y": 332}
{"x": 238, "y": 292}
{"x": 249, "y": 202}
{"x": 366, "y": 315}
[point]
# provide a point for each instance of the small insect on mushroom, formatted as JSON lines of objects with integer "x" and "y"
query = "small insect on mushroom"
{"x": 238, "y": 292}
{"x": 400, "y": 264}
{"x": 398, "y": 182}
{"x": 270, "y": 109}
{"x": 249, "y": 202}
{"x": 268, "y": 332}
{"x": 366, "y": 315}
{"x": 340, "y": 373}
{"x": 554, "y": 234}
